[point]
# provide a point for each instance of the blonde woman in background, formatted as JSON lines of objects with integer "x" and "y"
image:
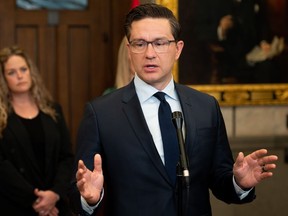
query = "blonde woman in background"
{"x": 35, "y": 148}
{"x": 125, "y": 71}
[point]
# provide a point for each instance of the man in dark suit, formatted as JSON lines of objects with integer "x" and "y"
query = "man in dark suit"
{"x": 120, "y": 138}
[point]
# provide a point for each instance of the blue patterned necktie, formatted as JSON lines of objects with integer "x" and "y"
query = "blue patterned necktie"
{"x": 169, "y": 136}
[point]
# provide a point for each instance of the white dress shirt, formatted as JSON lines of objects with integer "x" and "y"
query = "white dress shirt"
{"x": 150, "y": 105}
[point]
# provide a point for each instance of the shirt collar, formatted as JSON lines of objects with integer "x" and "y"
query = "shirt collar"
{"x": 146, "y": 91}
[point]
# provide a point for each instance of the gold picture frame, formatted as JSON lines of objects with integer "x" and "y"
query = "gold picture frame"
{"x": 237, "y": 94}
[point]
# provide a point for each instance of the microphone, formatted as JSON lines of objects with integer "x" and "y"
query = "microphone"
{"x": 178, "y": 122}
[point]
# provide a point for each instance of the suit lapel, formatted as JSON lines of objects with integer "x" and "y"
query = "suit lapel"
{"x": 188, "y": 114}
{"x": 133, "y": 111}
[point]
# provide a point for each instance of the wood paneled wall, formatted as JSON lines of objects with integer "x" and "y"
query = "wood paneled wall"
{"x": 75, "y": 51}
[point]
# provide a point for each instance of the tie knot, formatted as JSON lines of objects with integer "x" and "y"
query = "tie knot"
{"x": 160, "y": 96}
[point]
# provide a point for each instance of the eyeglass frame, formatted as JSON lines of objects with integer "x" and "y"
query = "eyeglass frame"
{"x": 146, "y": 43}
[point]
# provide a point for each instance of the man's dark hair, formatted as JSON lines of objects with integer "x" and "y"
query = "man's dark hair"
{"x": 151, "y": 10}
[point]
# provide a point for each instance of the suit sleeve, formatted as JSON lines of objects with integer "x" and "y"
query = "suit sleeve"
{"x": 221, "y": 177}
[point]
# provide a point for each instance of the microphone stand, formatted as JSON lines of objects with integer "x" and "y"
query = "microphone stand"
{"x": 183, "y": 181}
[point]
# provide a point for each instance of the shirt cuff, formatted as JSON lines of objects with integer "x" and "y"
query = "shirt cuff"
{"x": 239, "y": 191}
{"x": 88, "y": 208}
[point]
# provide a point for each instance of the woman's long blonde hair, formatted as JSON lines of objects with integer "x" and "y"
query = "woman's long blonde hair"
{"x": 125, "y": 71}
{"x": 38, "y": 90}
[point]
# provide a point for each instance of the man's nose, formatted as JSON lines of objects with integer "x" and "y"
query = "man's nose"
{"x": 150, "y": 51}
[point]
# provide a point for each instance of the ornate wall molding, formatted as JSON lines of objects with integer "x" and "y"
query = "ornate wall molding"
{"x": 246, "y": 94}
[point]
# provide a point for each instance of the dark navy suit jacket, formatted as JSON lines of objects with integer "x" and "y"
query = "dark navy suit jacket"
{"x": 136, "y": 182}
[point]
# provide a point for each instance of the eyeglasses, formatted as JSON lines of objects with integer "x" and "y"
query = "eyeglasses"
{"x": 160, "y": 45}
